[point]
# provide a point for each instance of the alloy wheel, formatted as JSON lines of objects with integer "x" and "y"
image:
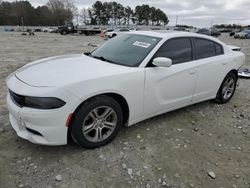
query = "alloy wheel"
{"x": 99, "y": 124}
{"x": 228, "y": 88}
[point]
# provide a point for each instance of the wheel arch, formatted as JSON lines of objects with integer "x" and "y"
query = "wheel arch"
{"x": 118, "y": 97}
{"x": 235, "y": 72}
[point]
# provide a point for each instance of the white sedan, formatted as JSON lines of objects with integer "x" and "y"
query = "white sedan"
{"x": 117, "y": 31}
{"x": 130, "y": 78}
{"x": 48, "y": 29}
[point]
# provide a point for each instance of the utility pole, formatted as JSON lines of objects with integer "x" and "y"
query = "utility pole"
{"x": 176, "y": 22}
{"x": 211, "y": 24}
{"x": 84, "y": 16}
{"x": 77, "y": 16}
{"x": 22, "y": 23}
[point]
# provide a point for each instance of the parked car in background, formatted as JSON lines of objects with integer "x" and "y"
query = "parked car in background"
{"x": 130, "y": 78}
{"x": 245, "y": 34}
{"x": 210, "y": 32}
{"x": 134, "y": 29}
{"x": 215, "y": 32}
{"x": 116, "y": 32}
{"x": 225, "y": 30}
{"x": 48, "y": 29}
{"x": 204, "y": 31}
{"x": 9, "y": 29}
{"x": 103, "y": 32}
{"x": 232, "y": 33}
{"x": 37, "y": 30}
{"x": 155, "y": 28}
{"x": 180, "y": 29}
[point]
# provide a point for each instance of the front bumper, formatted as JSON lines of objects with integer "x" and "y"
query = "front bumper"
{"x": 46, "y": 127}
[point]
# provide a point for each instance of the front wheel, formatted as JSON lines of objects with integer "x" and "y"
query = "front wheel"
{"x": 96, "y": 122}
{"x": 227, "y": 88}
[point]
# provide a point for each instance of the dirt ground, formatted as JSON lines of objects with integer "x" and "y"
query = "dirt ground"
{"x": 177, "y": 149}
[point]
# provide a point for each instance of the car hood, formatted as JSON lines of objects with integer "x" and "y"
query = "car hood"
{"x": 63, "y": 70}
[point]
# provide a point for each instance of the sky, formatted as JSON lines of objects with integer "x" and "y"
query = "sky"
{"x": 199, "y": 13}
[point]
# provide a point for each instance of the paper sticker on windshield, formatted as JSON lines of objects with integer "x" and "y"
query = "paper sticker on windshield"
{"x": 141, "y": 44}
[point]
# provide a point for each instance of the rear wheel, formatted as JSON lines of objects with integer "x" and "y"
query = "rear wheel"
{"x": 227, "y": 88}
{"x": 96, "y": 122}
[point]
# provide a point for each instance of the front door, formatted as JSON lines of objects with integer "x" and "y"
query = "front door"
{"x": 171, "y": 87}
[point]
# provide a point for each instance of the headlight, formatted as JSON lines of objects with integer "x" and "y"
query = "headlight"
{"x": 43, "y": 102}
{"x": 36, "y": 102}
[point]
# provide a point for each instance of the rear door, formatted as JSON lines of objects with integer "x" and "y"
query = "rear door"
{"x": 212, "y": 66}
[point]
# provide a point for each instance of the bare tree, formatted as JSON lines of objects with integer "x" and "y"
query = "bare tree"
{"x": 63, "y": 10}
{"x": 84, "y": 16}
{"x": 70, "y": 9}
{"x": 57, "y": 8}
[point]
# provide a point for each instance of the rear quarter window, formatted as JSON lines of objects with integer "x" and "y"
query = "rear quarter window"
{"x": 205, "y": 48}
{"x": 218, "y": 49}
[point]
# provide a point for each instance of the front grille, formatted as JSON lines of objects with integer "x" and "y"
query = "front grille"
{"x": 19, "y": 100}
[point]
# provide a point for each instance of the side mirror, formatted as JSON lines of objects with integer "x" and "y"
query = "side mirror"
{"x": 162, "y": 62}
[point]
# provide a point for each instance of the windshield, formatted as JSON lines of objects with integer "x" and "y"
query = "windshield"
{"x": 128, "y": 49}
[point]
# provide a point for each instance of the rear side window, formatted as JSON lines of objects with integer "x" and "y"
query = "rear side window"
{"x": 206, "y": 48}
{"x": 178, "y": 50}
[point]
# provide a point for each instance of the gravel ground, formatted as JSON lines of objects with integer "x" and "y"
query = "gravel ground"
{"x": 203, "y": 145}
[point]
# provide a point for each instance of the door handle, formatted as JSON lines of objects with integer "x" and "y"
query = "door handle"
{"x": 192, "y": 72}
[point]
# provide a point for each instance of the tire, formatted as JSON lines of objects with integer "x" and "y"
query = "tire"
{"x": 91, "y": 128}
{"x": 113, "y": 35}
{"x": 63, "y": 32}
{"x": 227, "y": 88}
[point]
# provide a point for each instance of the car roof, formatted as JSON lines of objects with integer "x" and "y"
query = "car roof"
{"x": 167, "y": 34}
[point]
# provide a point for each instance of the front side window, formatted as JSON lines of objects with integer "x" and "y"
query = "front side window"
{"x": 179, "y": 50}
{"x": 205, "y": 48}
{"x": 127, "y": 49}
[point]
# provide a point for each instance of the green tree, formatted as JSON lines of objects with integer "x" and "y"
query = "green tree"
{"x": 6, "y": 17}
{"x": 43, "y": 16}
{"x": 97, "y": 11}
{"x": 143, "y": 14}
{"x": 57, "y": 12}
{"x": 120, "y": 13}
{"x": 128, "y": 13}
{"x": 161, "y": 17}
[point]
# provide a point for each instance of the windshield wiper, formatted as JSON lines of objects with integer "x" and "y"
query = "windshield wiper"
{"x": 97, "y": 57}
{"x": 102, "y": 58}
{"x": 87, "y": 53}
